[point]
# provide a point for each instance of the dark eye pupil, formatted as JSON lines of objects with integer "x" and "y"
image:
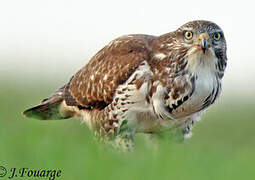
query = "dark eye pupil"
{"x": 217, "y": 36}
{"x": 188, "y": 35}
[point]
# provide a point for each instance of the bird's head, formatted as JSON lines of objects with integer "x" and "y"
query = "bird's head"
{"x": 200, "y": 43}
{"x": 205, "y": 44}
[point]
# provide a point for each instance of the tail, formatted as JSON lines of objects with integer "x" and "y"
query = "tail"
{"x": 50, "y": 108}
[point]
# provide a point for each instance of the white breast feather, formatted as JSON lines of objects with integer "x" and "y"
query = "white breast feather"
{"x": 203, "y": 67}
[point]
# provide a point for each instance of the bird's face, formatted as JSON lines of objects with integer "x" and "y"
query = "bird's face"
{"x": 203, "y": 36}
{"x": 204, "y": 41}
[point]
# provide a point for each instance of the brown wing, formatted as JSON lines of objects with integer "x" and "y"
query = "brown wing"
{"x": 95, "y": 84}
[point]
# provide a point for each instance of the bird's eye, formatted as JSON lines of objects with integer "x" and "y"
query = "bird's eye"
{"x": 188, "y": 35}
{"x": 216, "y": 36}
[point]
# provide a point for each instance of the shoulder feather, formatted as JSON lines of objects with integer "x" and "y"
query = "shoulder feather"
{"x": 95, "y": 84}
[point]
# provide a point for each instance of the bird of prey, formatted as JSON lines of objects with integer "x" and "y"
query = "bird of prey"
{"x": 144, "y": 83}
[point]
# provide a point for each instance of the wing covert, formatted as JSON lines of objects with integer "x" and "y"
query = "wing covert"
{"x": 95, "y": 84}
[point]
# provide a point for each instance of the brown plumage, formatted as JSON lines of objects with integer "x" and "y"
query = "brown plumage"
{"x": 143, "y": 83}
{"x": 95, "y": 84}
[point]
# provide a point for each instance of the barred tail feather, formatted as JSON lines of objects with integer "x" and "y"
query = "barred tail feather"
{"x": 46, "y": 112}
{"x": 50, "y": 108}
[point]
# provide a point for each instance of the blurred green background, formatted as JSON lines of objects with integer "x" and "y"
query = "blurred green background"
{"x": 222, "y": 146}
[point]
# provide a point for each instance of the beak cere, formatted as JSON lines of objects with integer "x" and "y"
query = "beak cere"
{"x": 203, "y": 38}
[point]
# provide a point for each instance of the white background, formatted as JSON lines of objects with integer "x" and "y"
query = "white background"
{"x": 54, "y": 38}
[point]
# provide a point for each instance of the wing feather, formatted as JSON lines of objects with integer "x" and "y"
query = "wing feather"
{"x": 95, "y": 84}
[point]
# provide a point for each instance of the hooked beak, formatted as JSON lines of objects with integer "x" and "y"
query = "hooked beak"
{"x": 203, "y": 41}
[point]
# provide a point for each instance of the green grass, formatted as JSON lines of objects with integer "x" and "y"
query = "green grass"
{"x": 222, "y": 146}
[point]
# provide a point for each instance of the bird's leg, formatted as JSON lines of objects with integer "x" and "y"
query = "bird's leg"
{"x": 111, "y": 132}
{"x": 187, "y": 131}
{"x": 123, "y": 142}
{"x": 188, "y": 124}
{"x": 124, "y": 138}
